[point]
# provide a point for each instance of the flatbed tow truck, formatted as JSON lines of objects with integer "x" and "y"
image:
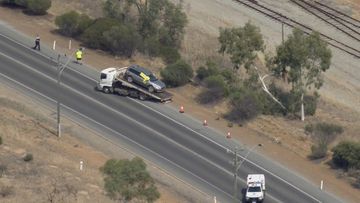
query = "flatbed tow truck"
{"x": 112, "y": 81}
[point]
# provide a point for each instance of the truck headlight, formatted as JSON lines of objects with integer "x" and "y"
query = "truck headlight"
{"x": 260, "y": 198}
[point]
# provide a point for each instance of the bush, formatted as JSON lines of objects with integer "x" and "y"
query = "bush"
{"x": 325, "y": 128}
{"x": 216, "y": 89}
{"x": 6, "y": 191}
{"x": 93, "y": 36}
{"x": 122, "y": 40}
{"x": 318, "y": 151}
{"x": 21, "y": 3}
{"x": 229, "y": 75}
{"x": 347, "y": 155}
{"x": 245, "y": 105}
{"x": 1, "y": 141}
{"x": 128, "y": 179}
{"x": 28, "y": 157}
{"x": 169, "y": 54}
{"x": 177, "y": 74}
{"x": 323, "y": 134}
{"x": 72, "y": 23}
{"x": 38, "y": 7}
{"x": 210, "y": 70}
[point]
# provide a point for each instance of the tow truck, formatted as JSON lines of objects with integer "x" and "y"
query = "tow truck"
{"x": 112, "y": 81}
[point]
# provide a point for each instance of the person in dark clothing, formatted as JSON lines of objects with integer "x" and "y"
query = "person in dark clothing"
{"x": 37, "y": 43}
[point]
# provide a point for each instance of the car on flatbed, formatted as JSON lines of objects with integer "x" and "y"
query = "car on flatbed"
{"x": 114, "y": 80}
{"x": 144, "y": 77}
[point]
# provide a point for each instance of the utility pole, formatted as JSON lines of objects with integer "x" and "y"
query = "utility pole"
{"x": 236, "y": 161}
{"x": 58, "y": 97}
{"x": 237, "y": 166}
{"x": 282, "y": 32}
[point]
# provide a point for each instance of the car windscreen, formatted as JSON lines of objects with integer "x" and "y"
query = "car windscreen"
{"x": 152, "y": 78}
{"x": 103, "y": 76}
{"x": 254, "y": 189}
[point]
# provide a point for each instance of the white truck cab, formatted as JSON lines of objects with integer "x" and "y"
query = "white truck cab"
{"x": 255, "y": 191}
{"x": 107, "y": 77}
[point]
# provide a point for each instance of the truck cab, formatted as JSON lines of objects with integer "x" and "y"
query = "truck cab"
{"x": 107, "y": 78}
{"x": 255, "y": 191}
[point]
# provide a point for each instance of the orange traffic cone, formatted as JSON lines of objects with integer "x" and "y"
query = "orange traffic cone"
{"x": 228, "y": 135}
{"x": 205, "y": 122}
{"x": 181, "y": 109}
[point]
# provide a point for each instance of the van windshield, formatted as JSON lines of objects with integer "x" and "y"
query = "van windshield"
{"x": 254, "y": 189}
{"x": 103, "y": 76}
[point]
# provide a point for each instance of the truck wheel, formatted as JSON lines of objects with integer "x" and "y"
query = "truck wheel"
{"x": 142, "y": 96}
{"x": 106, "y": 90}
{"x": 151, "y": 89}
{"x": 129, "y": 79}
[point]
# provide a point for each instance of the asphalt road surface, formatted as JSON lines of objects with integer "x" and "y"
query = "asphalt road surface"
{"x": 198, "y": 155}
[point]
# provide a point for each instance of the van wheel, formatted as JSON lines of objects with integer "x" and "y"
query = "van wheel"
{"x": 151, "y": 89}
{"x": 106, "y": 90}
{"x": 142, "y": 96}
{"x": 129, "y": 79}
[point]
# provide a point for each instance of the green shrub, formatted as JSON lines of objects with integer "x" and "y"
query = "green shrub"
{"x": 325, "y": 128}
{"x": 122, "y": 40}
{"x": 322, "y": 134}
{"x": 28, "y": 157}
{"x": 72, "y": 23}
{"x": 128, "y": 179}
{"x": 310, "y": 104}
{"x": 229, "y": 75}
{"x": 93, "y": 36}
{"x": 21, "y": 3}
{"x": 245, "y": 105}
{"x": 1, "y": 141}
{"x": 210, "y": 70}
{"x": 216, "y": 90}
{"x": 38, "y": 7}
{"x": 169, "y": 54}
{"x": 318, "y": 151}
{"x": 347, "y": 155}
{"x": 177, "y": 74}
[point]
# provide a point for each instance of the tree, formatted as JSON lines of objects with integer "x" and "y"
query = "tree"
{"x": 241, "y": 44}
{"x": 118, "y": 9}
{"x": 72, "y": 23}
{"x": 149, "y": 15}
{"x": 174, "y": 22}
{"x": 121, "y": 40}
{"x": 302, "y": 59}
{"x": 93, "y": 36}
{"x": 38, "y": 7}
{"x": 128, "y": 179}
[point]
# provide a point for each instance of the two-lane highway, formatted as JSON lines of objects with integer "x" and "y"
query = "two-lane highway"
{"x": 193, "y": 156}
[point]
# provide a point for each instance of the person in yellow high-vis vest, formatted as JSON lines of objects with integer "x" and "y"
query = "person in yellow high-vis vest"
{"x": 144, "y": 77}
{"x": 78, "y": 55}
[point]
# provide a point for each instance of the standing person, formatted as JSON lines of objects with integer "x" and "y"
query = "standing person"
{"x": 37, "y": 43}
{"x": 78, "y": 55}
